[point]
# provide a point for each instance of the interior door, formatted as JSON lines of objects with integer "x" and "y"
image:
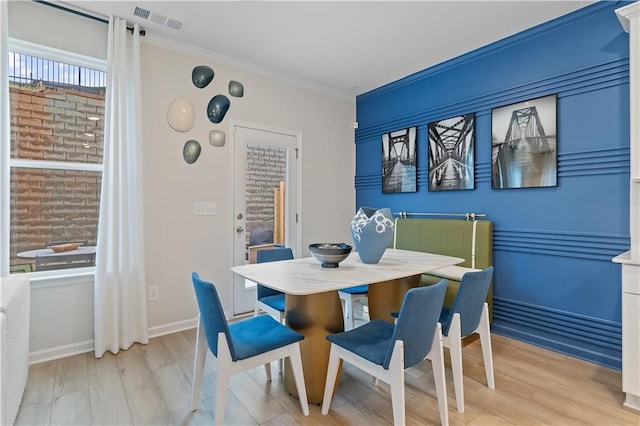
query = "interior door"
{"x": 265, "y": 198}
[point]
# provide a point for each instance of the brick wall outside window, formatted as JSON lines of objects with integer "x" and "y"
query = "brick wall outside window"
{"x": 265, "y": 168}
{"x": 54, "y": 205}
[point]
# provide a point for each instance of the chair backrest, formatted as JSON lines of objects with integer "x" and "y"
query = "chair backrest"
{"x": 469, "y": 301}
{"x": 417, "y": 322}
{"x": 272, "y": 255}
{"x": 212, "y": 314}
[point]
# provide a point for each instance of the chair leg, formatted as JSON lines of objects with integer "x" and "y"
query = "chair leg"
{"x": 332, "y": 374}
{"x": 349, "y": 313}
{"x": 437, "y": 363}
{"x": 396, "y": 382}
{"x": 223, "y": 375}
{"x": 222, "y": 384}
{"x": 267, "y": 371}
{"x": 281, "y": 360}
{"x": 198, "y": 365}
{"x": 298, "y": 377}
{"x": 455, "y": 351}
{"x": 485, "y": 341}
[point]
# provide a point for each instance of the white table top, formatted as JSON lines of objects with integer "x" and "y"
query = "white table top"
{"x": 49, "y": 252}
{"x": 306, "y": 276}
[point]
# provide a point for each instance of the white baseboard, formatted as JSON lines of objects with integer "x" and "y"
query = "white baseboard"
{"x": 60, "y": 352}
{"x": 88, "y": 345}
{"x": 174, "y": 327}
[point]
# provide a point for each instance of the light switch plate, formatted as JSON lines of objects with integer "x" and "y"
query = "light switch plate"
{"x": 204, "y": 209}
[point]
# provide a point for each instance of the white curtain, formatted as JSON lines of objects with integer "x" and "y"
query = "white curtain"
{"x": 4, "y": 138}
{"x": 120, "y": 306}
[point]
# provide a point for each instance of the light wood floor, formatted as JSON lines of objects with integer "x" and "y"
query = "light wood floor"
{"x": 151, "y": 385}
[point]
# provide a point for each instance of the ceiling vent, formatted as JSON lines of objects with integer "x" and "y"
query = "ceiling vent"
{"x": 157, "y": 18}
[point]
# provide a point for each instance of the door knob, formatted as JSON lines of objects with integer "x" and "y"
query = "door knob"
{"x": 239, "y": 229}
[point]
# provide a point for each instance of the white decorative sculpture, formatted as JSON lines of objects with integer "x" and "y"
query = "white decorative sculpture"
{"x": 181, "y": 114}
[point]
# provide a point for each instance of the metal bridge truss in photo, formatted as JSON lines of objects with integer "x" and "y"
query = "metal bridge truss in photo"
{"x": 525, "y": 125}
{"x": 447, "y": 140}
{"x": 397, "y": 148}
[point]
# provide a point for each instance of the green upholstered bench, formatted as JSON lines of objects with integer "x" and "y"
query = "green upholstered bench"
{"x": 471, "y": 240}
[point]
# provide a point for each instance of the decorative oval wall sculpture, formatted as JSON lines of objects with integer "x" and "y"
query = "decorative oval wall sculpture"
{"x": 202, "y": 76}
{"x": 217, "y": 108}
{"x": 236, "y": 89}
{"x": 181, "y": 114}
{"x": 191, "y": 151}
{"x": 216, "y": 138}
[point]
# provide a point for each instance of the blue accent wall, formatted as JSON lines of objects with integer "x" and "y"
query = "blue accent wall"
{"x": 554, "y": 284}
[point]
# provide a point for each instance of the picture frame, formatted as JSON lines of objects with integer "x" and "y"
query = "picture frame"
{"x": 451, "y": 156}
{"x": 524, "y": 148}
{"x": 399, "y": 161}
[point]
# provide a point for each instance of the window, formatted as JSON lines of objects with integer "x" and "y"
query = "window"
{"x": 57, "y": 128}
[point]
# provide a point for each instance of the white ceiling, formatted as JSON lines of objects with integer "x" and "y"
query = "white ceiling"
{"x": 344, "y": 48}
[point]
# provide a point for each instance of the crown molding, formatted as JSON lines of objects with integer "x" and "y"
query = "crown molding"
{"x": 244, "y": 66}
{"x": 627, "y": 13}
{"x": 580, "y": 14}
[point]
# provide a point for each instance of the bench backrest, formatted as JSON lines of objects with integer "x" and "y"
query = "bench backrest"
{"x": 469, "y": 239}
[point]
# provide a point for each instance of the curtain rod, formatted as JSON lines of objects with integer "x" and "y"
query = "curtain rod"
{"x": 467, "y": 216}
{"x": 84, "y": 15}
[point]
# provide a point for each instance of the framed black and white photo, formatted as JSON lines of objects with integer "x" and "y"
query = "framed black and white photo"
{"x": 399, "y": 161}
{"x": 451, "y": 153}
{"x": 524, "y": 144}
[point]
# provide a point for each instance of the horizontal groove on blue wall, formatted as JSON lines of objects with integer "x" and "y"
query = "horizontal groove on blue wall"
{"x": 570, "y": 164}
{"x": 602, "y": 7}
{"x": 600, "y": 161}
{"x": 597, "y": 77}
{"x": 483, "y": 171}
{"x": 581, "y": 245}
{"x": 588, "y": 338}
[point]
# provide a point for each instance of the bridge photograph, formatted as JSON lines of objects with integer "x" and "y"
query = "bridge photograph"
{"x": 451, "y": 153}
{"x": 524, "y": 144}
{"x": 399, "y": 161}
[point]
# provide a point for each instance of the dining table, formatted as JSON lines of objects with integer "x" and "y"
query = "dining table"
{"x": 47, "y": 259}
{"x": 312, "y": 304}
{"x": 49, "y": 252}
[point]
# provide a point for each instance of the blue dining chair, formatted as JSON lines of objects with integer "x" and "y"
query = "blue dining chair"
{"x": 385, "y": 350}
{"x": 468, "y": 314}
{"x": 269, "y": 300}
{"x": 240, "y": 346}
{"x": 348, "y": 296}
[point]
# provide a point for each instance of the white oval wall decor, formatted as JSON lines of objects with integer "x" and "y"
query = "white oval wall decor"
{"x": 181, "y": 114}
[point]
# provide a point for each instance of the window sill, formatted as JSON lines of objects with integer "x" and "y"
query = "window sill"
{"x": 61, "y": 277}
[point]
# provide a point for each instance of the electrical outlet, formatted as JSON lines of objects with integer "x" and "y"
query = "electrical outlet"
{"x": 204, "y": 209}
{"x": 153, "y": 293}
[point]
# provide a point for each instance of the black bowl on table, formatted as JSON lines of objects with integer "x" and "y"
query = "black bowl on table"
{"x": 330, "y": 254}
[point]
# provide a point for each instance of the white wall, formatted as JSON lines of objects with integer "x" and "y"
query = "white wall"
{"x": 39, "y": 24}
{"x": 176, "y": 242}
